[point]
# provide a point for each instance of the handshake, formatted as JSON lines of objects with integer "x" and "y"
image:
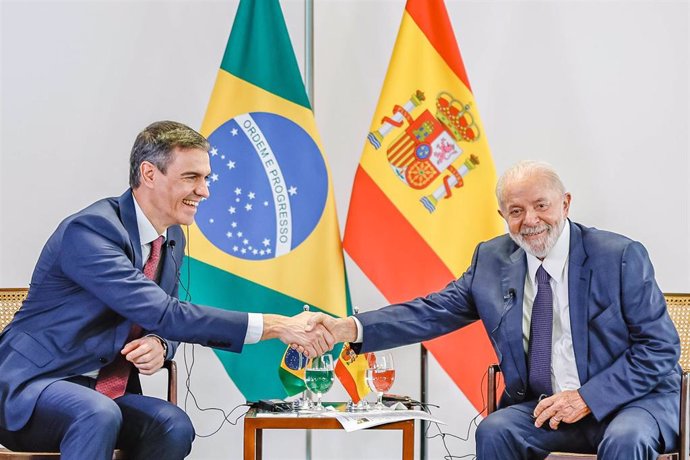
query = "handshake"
{"x": 312, "y": 334}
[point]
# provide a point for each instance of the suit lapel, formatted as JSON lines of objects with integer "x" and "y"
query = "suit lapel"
{"x": 578, "y": 292}
{"x": 129, "y": 220}
{"x": 513, "y": 279}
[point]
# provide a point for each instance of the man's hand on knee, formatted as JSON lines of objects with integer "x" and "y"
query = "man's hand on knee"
{"x": 566, "y": 406}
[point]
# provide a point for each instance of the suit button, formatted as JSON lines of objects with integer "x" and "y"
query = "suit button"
{"x": 103, "y": 360}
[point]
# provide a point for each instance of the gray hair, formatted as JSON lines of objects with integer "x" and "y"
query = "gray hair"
{"x": 525, "y": 169}
{"x": 156, "y": 143}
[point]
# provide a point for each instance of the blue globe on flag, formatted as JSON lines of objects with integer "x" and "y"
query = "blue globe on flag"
{"x": 268, "y": 187}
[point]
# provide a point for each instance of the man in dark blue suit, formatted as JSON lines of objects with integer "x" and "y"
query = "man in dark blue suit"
{"x": 588, "y": 351}
{"x": 103, "y": 274}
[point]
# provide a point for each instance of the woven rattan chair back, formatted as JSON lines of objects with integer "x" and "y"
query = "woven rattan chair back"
{"x": 679, "y": 310}
{"x": 10, "y": 301}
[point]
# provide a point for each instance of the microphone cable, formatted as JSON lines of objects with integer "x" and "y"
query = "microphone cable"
{"x": 189, "y": 365}
{"x": 473, "y": 422}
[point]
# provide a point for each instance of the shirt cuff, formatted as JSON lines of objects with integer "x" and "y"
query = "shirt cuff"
{"x": 255, "y": 328}
{"x": 360, "y": 331}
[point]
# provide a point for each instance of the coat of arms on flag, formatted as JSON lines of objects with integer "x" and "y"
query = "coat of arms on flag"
{"x": 430, "y": 144}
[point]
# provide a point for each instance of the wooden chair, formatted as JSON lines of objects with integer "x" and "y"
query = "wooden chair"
{"x": 679, "y": 310}
{"x": 10, "y": 301}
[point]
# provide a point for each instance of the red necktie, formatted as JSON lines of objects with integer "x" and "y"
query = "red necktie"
{"x": 112, "y": 379}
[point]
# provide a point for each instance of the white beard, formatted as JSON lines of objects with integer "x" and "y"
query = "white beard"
{"x": 540, "y": 247}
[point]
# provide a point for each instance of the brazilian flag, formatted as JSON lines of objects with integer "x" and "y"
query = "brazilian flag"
{"x": 267, "y": 239}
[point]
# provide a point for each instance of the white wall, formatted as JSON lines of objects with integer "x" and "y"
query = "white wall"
{"x": 598, "y": 88}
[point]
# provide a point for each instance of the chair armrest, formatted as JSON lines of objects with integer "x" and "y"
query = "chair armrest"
{"x": 491, "y": 384}
{"x": 171, "y": 366}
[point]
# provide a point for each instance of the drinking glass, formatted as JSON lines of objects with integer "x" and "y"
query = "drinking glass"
{"x": 380, "y": 375}
{"x": 319, "y": 377}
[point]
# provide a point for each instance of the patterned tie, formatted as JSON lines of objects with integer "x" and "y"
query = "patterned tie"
{"x": 112, "y": 379}
{"x": 539, "y": 353}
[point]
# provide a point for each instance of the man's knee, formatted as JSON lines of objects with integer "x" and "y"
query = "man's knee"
{"x": 630, "y": 440}
{"x": 494, "y": 430}
{"x": 176, "y": 426}
{"x": 102, "y": 414}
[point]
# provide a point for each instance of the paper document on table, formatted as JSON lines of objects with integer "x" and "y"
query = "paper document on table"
{"x": 353, "y": 421}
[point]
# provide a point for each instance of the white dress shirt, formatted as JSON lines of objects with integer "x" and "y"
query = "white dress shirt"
{"x": 563, "y": 367}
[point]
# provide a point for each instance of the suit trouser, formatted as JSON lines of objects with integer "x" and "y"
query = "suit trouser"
{"x": 510, "y": 434}
{"x": 81, "y": 423}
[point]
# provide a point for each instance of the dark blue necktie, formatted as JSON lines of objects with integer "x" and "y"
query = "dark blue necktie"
{"x": 539, "y": 350}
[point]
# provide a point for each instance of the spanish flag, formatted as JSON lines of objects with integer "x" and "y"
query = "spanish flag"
{"x": 423, "y": 195}
{"x": 267, "y": 239}
{"x": 351, "y": 370}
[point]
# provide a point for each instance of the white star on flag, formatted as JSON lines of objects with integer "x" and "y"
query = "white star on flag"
{"x": 234, "y": 131}
{"x": 238, "y": 191}
{"x": 214, "y": 151}
{"x": 231, "y": 164}
{"x": 292, "y": 190}
{"x": 248, "y": 207}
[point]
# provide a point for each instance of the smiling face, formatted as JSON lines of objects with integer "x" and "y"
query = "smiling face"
{"x": 535, "y": 211}
{"x": 171, "y": 198}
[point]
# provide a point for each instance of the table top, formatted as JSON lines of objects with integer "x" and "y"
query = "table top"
{"x": 309, "y": 420}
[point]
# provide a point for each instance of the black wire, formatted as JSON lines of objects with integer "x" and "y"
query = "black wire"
{"x": 189, "y": 365}
{"x": 473, "y": 422}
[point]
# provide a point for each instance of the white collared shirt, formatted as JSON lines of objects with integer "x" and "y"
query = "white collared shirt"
{"x": 147, "y": 232}
{"x": 563, "y": 366}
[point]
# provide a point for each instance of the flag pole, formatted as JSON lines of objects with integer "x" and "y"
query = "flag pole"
{"x": 309, "y": 50}
{"x": 309, "y": 87}
{"x": 423, "y": 380}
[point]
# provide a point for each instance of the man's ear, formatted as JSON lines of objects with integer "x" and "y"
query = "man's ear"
{"x": 147, "y": 170}
{"x": 501, "y": 214}
{"x": 566, "y": 203}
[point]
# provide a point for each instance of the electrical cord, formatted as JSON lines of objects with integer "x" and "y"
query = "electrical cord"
{"x": 189, "y": 364}
{"x": 466, "y": 438}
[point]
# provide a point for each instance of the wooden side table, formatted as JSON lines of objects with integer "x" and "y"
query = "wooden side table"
{"x": 254, "y": 426}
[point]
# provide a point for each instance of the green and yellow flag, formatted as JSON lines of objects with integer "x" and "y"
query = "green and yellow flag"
{"x": 267, "y": 239}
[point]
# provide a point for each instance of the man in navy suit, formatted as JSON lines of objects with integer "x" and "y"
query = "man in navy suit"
{"x": 604, "y": 379}
{"x": 96, "y": 277}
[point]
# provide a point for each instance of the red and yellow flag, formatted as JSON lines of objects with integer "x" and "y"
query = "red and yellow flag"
{"x": 351, "y": 370}
{"x": 423, "y": 195}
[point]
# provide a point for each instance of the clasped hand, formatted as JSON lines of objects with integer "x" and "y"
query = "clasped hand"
{"x": 310, "y": 338}
{"x": 319, "y": 332}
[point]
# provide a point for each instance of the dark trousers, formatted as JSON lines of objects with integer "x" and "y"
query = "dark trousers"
{"x": 74, "y": 419}
{"x": 510, "y": 434}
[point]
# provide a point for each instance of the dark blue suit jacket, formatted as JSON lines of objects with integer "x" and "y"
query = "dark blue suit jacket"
{"x": 626, "y": 346}
{"x": 86, "y": 291}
